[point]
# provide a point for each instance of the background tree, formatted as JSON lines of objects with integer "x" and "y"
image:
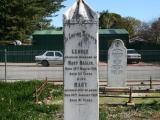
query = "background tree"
{"x": 155, "y": 28}
{"x": 144, "y": 32}
{"x": 130, "y": 24}
{"x": 108, "y": 20}
{"x": 112, "y": 20}
{"x": 19, "y": 18}
{"x": 150, "y": 32}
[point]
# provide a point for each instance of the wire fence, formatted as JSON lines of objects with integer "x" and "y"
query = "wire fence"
{"x": 20, "y": 65}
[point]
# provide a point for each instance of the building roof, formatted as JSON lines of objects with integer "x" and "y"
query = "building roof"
{"x": 113, "y": 31}
{"x": 101, "y": 31}
{"x": 48, "y": 32}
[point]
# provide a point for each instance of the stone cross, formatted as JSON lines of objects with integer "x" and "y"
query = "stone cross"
{"x": 81, "y": 63}
{"x": 117, "y": 63}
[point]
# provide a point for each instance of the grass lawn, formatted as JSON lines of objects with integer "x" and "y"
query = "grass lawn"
{"x": 17, "y": 103}
{"x": 144, "y": 109}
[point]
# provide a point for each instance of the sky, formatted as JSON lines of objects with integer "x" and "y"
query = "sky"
{"x": 144, "y": 10}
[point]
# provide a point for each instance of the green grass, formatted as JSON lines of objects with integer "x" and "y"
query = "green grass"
{"x": 144, "y": 109}
{"x": 138, "y": 112}
{"x": 17, "y": 102}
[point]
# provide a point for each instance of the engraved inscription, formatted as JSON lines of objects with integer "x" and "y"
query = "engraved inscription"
{"x": 117, "y": 67}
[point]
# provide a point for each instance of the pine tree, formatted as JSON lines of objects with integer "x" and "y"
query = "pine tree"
{"x": 19, "y": 18}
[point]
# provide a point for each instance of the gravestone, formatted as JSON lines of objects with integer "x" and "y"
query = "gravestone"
{"x": 81, "y": 63}
{"x": 117, "y": 63}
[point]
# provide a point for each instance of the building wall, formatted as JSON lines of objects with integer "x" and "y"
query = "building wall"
{"x": 43, "y": 42}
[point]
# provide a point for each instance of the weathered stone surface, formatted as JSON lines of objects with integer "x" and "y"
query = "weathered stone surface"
{"x": 81, "y": 63}
{"x": 117, "y": 63}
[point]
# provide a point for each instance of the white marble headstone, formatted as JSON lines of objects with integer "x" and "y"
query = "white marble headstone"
{"x": 81, "y": 63}
{"x": 117, "y": 63}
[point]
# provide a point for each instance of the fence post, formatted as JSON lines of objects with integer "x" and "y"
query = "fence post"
{"x": 5, "y": 60}
{"x": 151, "y": 82}
{"x": 130, "y": 102}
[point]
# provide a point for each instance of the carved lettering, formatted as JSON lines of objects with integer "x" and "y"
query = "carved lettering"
{"x": 86, "y": 63}
{"x": 78, "y": 51}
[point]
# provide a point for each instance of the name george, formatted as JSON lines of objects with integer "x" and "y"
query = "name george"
{"x": 80, "y": 51}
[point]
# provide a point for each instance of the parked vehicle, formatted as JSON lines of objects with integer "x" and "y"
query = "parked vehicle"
{"x": 133, "y": 56}
{"x": 50, "y": 58}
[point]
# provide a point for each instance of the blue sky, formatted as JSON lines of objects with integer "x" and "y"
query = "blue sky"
{"x": 144, "y": 10}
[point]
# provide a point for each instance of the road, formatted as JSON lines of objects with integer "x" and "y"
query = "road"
{"x": 135, "y": 72}
{"x": 35, "y": 72}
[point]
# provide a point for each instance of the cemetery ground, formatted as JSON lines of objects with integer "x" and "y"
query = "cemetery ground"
{"x": 17, "y": 102}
